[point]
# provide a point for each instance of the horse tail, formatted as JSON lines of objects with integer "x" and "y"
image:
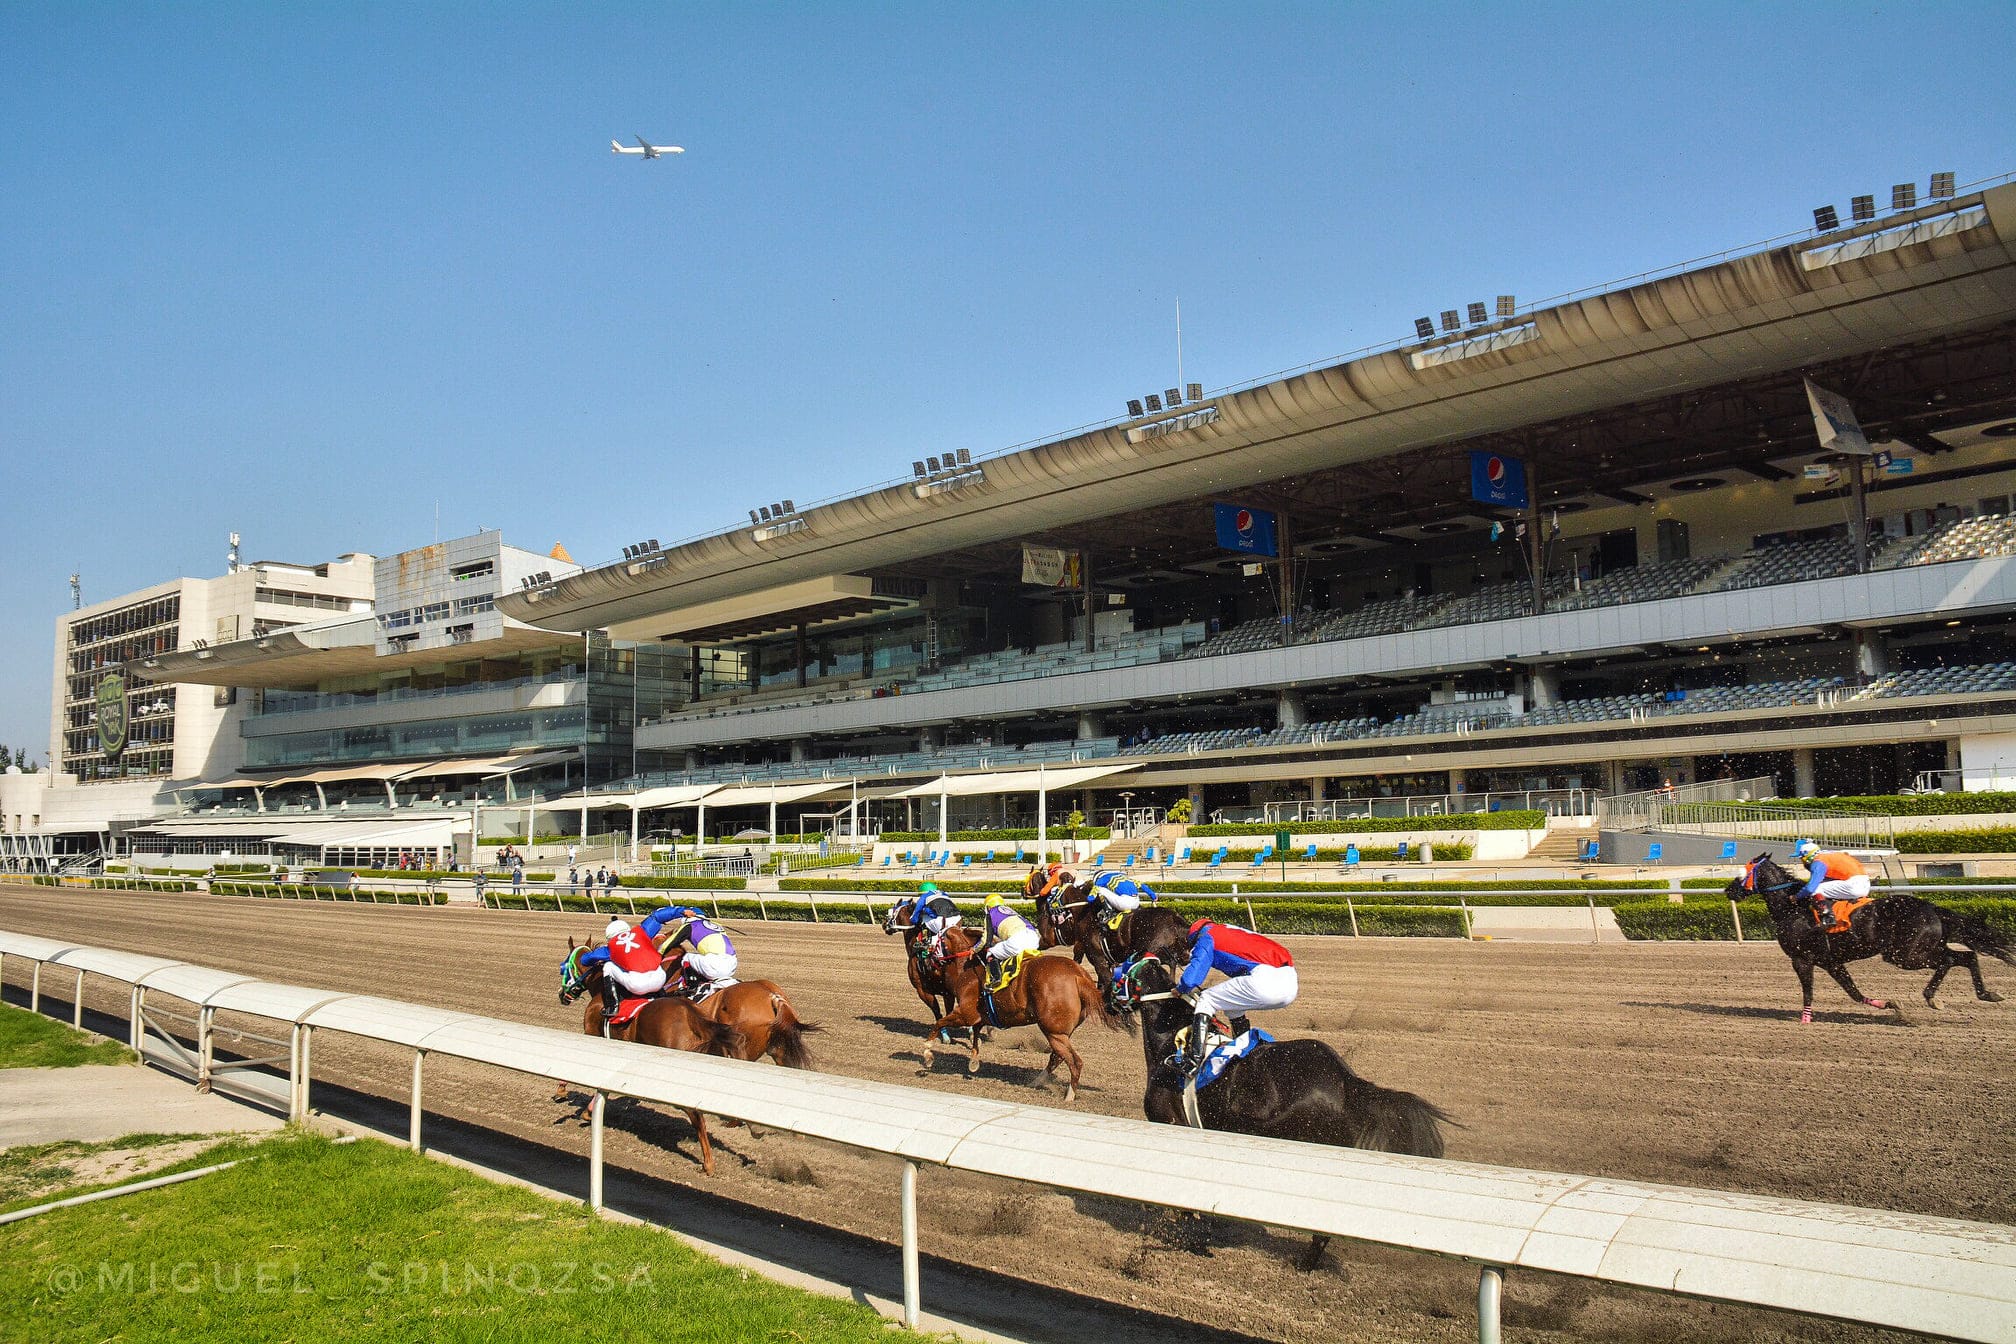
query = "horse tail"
{"x": 1095, "y": 1006}
{"x": 1392, "y": 1121}
{"x": 1975, "y": 934}
{"x": 718, "y": 1038}
{"x": 787, "y": 1035}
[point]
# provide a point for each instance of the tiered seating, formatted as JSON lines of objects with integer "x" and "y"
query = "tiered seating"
{"x": 1261, "y": 634}
{"x": 1965, "y": 539}
{"x": 1439, "y": 720}
{"x": 1494, "y": 602}
{"x": 1133, "y": 649}
{"x": 1796, "y": 562}
{"x": 1644, "y": 583}
{"x": 1729, "y": 699}
{"x": 1598, "y": 709}
{"x": 1979, "y": 680}
{"x": 1374, "y": 618}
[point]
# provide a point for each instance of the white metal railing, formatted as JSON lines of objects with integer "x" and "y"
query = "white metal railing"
{"x": 1725, "y": 807}
{"x": 1939, "y": 1276}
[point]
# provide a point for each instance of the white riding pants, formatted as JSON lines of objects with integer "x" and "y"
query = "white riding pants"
{"x": 711, "y": 965}
{"x": 636, "y": 983}
{"x": 1025, "y": 941}
{"x": 1844, "y": 888}
{"x": 1261, "y": 987}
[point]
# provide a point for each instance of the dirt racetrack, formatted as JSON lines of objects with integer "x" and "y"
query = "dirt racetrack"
{"x": 1675, "y": 1063}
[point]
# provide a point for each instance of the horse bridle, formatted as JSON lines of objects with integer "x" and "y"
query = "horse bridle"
{"x": 1130, "y": 993}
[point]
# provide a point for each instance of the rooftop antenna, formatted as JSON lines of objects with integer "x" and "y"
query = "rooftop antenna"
{"x": 232, "y": 558}
{"x": 1179, "y": 340}
{"x": 76, "y": 593}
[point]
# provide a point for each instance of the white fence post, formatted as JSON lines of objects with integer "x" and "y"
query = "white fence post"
{"x": 596, "y": 1108}
{"x": 413, "y": 1120}
{"x": 912, "y": 1289}
{"x": 35, "y": 988}
{"x": 206, "y": 1025}
{"x": 1490, "y": 1290}
{"x": 77, "y": 1003}
{"x": 1350, "y": 910}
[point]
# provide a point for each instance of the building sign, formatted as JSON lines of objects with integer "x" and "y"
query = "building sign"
{"x": 1247, "y": 530}
{"x": 1496, "y": 479}
{"x": 1835, "y": 423}
{"x": 1047, "y": 567}
{"x": 1173, "y": 425}
{"x": 112, "y": 716}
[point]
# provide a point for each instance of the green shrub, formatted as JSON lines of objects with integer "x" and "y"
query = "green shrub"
{"x": 1896, "y": 805}
{"x": 1460, "y": 821}
{"x": 1366, "y": 854}
{"x": 685, "y": 883}
{"x": 1999, "y": 841}
{"x": 1696, "y": 921}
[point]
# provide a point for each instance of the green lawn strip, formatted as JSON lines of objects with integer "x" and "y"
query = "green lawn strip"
{"x": 45, "y": 1172}
{"x": 310, "y": 1241}
{"x": 32, "y": 1041}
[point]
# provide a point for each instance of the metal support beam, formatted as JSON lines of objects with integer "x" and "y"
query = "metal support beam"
{"x": 1490, "y": 1292}
{"x": 912, "y": 1289}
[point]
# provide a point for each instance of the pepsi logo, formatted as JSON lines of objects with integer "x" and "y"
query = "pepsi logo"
{"x": 1494, "y": 470}
{"x": 1243, "y": 520}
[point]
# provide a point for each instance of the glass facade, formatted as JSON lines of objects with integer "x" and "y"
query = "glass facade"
{"x": 99, "y": 646}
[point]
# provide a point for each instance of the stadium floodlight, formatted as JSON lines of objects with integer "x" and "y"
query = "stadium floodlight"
{"x": 754, "y": 521}
{"x": 1424, "y": 327}
{"x": 1904, "y": 196}
{"x": 651, "y": 545}
{"x": 1196, "y": 391}
{"x": 1134, "y": 411}
{"x": 778, "y": 510}
{"x": 1825, "y": 219}
{"x": 917, "y": 470}
{"x": 1172, "y": 396}
{"x": 1479, "y": 315}
{"x": 1451, "y": 320}
{"x": 1942, "y": 187}
{"x": 1508, "y": 306}
{"x": 932, "y": 463}
{"x": 1154, "y": 402}
{"x": 965, "y": 457}
{"x": 765, "y": 511}
{"x": 790, "y": 507}
{"x": 1863, "y": 208}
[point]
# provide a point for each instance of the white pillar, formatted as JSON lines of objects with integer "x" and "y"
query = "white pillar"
{"x": 1042, "y": 814}
{"x": 944, "y": 831}
{"x": 634, "y": 810}
{"x": 699, "y": 829}
{"x": 773, "y": 813}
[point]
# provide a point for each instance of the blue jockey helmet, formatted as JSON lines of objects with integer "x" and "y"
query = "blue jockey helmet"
{"x": 1805, "y": 849}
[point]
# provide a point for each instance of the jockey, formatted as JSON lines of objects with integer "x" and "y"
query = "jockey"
{"x": 710, "y": 955}
{"x": 932, "y": 910}
{"x": 631, "y": 965}
{"x": 1829, "y": 877}
{"x": 1007, "y": 933}
{"x": 1259, "y": 974}
{"x": 1119, "y": 894}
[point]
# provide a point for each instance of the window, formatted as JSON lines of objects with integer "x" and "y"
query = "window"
{"x": 475, "y": 602}
{"x": 434, "y": 611}
{"x": 477, "y": 569}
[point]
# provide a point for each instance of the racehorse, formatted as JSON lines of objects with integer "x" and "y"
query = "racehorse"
{"x": 926, "y": 959}
{"x": 760, "y": 1012}
{"x": 1300, "y": 1089}
{"x": 671, "y": 1023}
{"x": 1909, "y": 933}
{"x": 1065, "y": 917}
{"x": 1052, "y": 994}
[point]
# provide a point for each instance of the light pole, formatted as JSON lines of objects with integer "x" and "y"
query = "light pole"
{"x": 1127, "y": 813}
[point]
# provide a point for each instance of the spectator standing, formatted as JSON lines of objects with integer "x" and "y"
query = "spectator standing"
{"x": 573, "y": 854}
{"x": 573, "y": 879}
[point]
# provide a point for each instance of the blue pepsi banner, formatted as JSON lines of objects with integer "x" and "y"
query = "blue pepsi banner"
{"x": 1247, "y": 530}
{"x": 1495, "y": 479}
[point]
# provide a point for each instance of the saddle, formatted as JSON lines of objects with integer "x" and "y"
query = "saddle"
{"x": 1010, "y": 968}
{"x": 626, "y": 1011}
{"x": 1835, "y": 919}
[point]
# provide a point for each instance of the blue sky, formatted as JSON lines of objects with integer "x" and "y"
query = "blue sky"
{"x": 307, "y": 271}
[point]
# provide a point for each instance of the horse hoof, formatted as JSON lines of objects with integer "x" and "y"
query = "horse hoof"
{"x": 973, "y": 1064}
{"x": 1070, "y": 1094}
{"x": 1990, "y": 996}
{"x": 927, "y": 1056}
{"x": 1877, "y": 1003}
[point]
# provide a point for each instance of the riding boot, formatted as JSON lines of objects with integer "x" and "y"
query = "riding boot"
{"x": 611, "y": 997}
{"x": 1200, "y": 1029}
{"x": 1241, "y": 1024}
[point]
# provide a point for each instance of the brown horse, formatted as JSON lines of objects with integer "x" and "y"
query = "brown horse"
{"x": 926, "y": 959}
{"x": 759, "y": 1011}
{"x": 1065, "y": 917}
{"x": 670, "y": 1023}
{"x": 1050, "y": 993}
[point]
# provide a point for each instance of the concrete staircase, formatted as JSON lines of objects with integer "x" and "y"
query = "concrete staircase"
{"x": 1562, "y": 846}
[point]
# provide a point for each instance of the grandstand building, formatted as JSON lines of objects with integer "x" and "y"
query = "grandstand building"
{"x": 1694, "y": 587}
{"x": 1320, "y": 587}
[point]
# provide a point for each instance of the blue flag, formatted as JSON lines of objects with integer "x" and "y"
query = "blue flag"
{"x": 1247, "y": 530}
{"x": 1497, "y": 480}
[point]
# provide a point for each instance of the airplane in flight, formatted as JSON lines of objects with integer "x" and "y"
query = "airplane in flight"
{"x": 646, "y": 148}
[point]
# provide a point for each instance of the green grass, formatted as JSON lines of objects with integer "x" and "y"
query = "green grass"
{"x": 42, "y": 1172}
{"x": 31, "y": 1041}
{"x": 309, "y": 1241}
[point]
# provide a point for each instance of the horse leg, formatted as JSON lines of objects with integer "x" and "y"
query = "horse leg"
{"x": 1972, "y": 961}
{"x": 941, "y": 1031}
{"x": 1312, "y": 1258}
{"x": 706, "y": 1148}
{"x": 1804, "y": 970}
{"x": 1842, "y": 978}
{"x": 1061, "y": 1048}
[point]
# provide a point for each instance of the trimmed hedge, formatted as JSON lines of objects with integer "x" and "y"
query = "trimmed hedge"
{"x": 363, "y": 896}
{"x": 1709, "y": 920}
{"x": 1894, "y": 804}
{"x": 2001, "y": 841}
{"x": 1366, "y": 854}
{"x": 1458, "y": 821}
{"x": 685, "y": 883}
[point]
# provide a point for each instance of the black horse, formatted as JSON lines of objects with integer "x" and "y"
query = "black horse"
{"x": 1297, "y": 1089}
{"x": 1909, "y": 933}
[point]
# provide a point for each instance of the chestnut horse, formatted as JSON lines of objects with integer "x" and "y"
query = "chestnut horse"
{"x": 926, "y": 960}
{"x": 670, "y": 1023}
{"x": 1052, "y": 994}
{"x": 1909, "y": 933}
{"x": 760, "y": 1012}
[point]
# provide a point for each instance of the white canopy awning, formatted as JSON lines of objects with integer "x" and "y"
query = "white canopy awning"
{"x": 337, "y": 774}
{"x": 1012, "y": 781}
{"x": 674, "y": 795}
{"x": 595, "y": 802}
{"x": 370, "y": 833}
{"x": 481, "y": 765}
{"x": 507, "y": 765}
{"x": 758, "y": 795}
